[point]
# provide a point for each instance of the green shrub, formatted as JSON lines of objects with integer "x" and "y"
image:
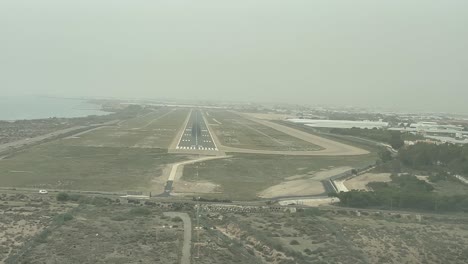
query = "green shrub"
{"x": 176, "y": 219}
{"x": 62, "y": 197}
{"x": 294, "y": 242}
{"x": 62, "y": 218}
{"x": 42, "y": 237}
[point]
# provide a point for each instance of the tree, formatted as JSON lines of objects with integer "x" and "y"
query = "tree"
{"x": 385, "y": 156}
{"x": 395, "y": 141}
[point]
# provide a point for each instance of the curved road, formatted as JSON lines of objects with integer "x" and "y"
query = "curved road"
{"x": 187, "y": 235}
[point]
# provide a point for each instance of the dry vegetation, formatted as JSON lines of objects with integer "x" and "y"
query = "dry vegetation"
{"x": 98, "y": 230}
{"x": 22, "y": 218}
{"x": 339, "y": 236}
{"x": 38, "y": 229}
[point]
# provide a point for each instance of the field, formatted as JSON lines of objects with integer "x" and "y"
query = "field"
{"x": 236, "y": 131}
{"x": 59, "y": 166}
{"x": 153, "y": 130}
{"x": 130, "y": 156}
{"x": 339, "y": 236}
{"x": 243, "y": 176}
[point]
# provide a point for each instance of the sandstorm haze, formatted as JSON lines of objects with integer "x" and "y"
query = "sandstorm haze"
{"x": 395, "y": 54}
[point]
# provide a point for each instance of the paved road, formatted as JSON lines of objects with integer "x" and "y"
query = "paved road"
{"x": 196, "y": 135}
{"x": 186, "y": 255}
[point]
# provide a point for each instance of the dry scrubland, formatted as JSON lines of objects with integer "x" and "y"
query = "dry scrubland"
{"x": 38, "y": 229}
{"x": 23, "y": 218}
{"x": 97, "y": 231}
{"x": 335, "y": 236}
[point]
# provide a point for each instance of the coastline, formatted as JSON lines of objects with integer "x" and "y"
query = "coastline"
{"x": 46, "y": 107}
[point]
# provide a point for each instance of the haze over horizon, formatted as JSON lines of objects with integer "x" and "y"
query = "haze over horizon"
{"x": 396, "y": 54}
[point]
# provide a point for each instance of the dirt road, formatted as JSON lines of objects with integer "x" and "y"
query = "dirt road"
{"x": 187, "y": 235}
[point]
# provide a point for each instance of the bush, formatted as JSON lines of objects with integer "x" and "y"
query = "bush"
{"x": 62, "y": 197}
{"x": 42, "y": 237}
{"x": 294, "y": 242}
{"x": 176, "y": 219}
{"x": 62, "y": 218}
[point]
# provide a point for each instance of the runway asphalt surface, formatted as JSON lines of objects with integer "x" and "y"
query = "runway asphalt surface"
{"x": 196, "y": 135}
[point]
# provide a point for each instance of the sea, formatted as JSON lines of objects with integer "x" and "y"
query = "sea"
{"x": 39, "y": 107}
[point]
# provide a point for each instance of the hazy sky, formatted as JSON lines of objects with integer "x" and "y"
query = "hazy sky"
{"x": 411, "y": 54}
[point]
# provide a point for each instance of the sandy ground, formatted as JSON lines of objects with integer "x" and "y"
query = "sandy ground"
{"x": 325, "y": 174}
{"x": 296, "y": 187}
{"x": 360, "y": 182}
{"x": 330, "y": 147}
{"x": 423, "y": 178}
{"x": 310, "y": 202}
{"x": 340, "y": 186}
{"x": 189, "y": 188}
{"x": 302, "y": 185}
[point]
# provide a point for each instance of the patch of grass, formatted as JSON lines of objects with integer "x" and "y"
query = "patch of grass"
{"x": 139, "y": 211}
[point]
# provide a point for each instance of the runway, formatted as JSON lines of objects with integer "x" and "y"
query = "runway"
{"x": 196, "y": 135}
